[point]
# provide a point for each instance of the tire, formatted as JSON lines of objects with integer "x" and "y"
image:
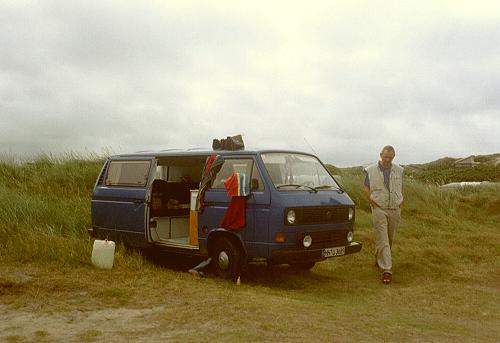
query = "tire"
{"x": 227, "y": 259}
{"x": 303, "y": 265}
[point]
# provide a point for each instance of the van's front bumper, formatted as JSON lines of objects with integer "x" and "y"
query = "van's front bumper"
{"x": 294, "y": 255}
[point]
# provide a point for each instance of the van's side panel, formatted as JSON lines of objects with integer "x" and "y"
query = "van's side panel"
{"x": 259, "y": 202}
{"x": 255, "y": 236}
{"x": 215, "y": 202}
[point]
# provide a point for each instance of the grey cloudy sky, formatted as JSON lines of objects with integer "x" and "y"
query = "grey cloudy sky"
{"x": 345, "y": 76}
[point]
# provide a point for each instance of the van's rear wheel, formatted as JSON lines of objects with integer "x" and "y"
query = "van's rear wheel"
{"x": 227, "y": 259}
{"x": 303, "y": 265}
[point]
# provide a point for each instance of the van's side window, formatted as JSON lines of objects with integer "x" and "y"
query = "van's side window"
{"x": 257, "y": 184}
{"x": 127, "y": 173}
{"x": 239, "y": 165}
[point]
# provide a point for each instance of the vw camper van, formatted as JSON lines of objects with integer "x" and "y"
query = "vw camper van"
{"x": 295, "y": 212}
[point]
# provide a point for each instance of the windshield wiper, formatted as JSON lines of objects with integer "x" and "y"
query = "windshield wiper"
{"x": 297, "y": 186}
{"x": 329, "y": 186}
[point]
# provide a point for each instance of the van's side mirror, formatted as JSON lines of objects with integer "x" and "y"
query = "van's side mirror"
{"x": 254, "y": 185}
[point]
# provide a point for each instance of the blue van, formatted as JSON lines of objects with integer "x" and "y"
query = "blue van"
{"x": 296, "y": 213}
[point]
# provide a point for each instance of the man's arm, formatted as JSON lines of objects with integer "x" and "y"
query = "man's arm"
{"x": 373, "y": 204}
{"x": 402, "y": 191}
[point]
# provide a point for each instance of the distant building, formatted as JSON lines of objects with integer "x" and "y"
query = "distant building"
{"x": 467, "y": 162}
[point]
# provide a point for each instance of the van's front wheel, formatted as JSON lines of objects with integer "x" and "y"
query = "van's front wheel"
{"x": 227, "y": 259}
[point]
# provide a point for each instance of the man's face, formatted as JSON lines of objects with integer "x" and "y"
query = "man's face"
{"x": 386, "y": 158}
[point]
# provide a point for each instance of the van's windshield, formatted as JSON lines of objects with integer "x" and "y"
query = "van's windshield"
{"x": 291, "y": 171}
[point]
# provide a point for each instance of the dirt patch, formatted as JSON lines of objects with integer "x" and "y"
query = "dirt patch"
{"x": 38, "y": 305}
{"x": 117, "y": 325}
{"x": 15, "y": 280}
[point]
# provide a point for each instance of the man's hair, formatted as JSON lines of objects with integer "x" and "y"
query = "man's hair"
{"x": 389, "y": 148}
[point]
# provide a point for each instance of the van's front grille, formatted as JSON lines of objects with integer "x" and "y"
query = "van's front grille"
{"x": 320, "y": 215}
{"x": 324, "y": 239}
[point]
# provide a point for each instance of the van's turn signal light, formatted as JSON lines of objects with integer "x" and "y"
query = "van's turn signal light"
{"x": 280, "y": 237}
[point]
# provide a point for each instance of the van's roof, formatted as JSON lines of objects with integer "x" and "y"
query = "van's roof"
{"x": 202, "y": 152}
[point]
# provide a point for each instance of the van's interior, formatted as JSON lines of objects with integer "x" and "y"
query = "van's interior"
{"x": 173, "y": 194}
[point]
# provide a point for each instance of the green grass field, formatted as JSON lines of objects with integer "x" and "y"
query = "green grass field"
{"x": 446, "y": 284}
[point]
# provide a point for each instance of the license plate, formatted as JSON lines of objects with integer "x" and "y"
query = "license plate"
{"x": 329, "y": 252}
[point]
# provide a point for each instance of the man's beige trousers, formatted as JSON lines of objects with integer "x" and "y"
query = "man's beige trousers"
{"x": 385, "y": 223}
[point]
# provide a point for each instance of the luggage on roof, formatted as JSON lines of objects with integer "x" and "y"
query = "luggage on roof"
{"x": 230, "y": 143}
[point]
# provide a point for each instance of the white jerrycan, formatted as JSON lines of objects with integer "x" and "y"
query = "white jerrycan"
{"x": 103, "y": 254}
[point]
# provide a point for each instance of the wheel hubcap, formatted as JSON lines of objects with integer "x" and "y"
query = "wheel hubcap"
{"x": 223, "y": 260}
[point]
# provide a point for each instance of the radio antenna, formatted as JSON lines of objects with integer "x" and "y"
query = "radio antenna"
{"x": 310, "y": 146}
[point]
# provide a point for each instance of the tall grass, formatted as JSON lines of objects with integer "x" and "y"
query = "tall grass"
{"x": 45, "y": 213}
{"x": 45, "y": 208}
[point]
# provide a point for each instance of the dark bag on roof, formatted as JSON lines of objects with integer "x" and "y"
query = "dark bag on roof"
{"x": 230, "y": 143}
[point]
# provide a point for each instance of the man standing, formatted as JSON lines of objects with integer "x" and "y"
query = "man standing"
{"x": 384, "y": 191}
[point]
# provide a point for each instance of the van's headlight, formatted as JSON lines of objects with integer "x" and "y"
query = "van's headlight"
{"x": 307, "y": 241}
{"x": 351, "y": 213}
{"x": 290, "y": 217}
{"x": 350, "y": 236}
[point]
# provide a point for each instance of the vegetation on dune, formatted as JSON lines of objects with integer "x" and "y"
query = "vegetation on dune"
{"x": 445, "y": 286}
{"x": 443, "y": 171}
{"x": 45, "y": 209}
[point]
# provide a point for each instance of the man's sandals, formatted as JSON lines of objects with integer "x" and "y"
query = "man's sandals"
{"x": 386, "y": 278}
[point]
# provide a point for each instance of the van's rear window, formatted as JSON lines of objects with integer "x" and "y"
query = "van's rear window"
{"x": 127, "y": 173}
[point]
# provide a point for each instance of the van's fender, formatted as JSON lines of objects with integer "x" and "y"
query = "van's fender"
{"x": 214, "y": 234}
